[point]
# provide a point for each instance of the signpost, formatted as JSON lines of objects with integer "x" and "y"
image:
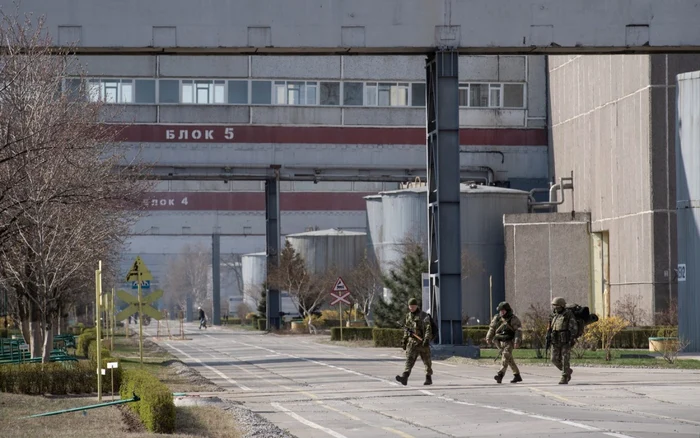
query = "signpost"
{"x": 112, "y": 366}
{"x": 98, "y": 326}
{"x": 339, "y": 295}
{"x": 141, "y": 276}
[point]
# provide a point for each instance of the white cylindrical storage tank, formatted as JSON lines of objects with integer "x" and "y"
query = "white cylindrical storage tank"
{"x": 254, "y": 271}
{"x": 481, "y": 234}
{"x": 688, "y": 207}
{"x": 330, "y": 249}
{"x": 405, "y": 222}
{"x": 375, "y": 226}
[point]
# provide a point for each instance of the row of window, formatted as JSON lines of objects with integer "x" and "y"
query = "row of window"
{"x": 283, "y": 92}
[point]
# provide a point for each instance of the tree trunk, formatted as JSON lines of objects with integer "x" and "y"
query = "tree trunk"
{"x": 24, "y": 329}
{"x": 48, "y": 341}
{"x": 36, "y": 329}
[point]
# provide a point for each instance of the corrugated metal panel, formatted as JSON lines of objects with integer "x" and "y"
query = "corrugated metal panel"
{"x": 330, "y": 249}
{"x": 688, "y": 204}
{"x": 482, "y": 209}
{"x": 254, "y": 270}
{"x": 375, "y": 226}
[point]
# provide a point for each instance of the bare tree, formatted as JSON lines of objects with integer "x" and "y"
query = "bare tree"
{"x": 668, "y": 316}
{"x": 188, "y": 276}
{"x": 630, "y": 309}
{"x": 64, "y": 200}
{"x": 306, "y": 289}
{"x": 365, "y": 282}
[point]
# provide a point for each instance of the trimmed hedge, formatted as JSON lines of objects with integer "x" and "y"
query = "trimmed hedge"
{"x": 352, "y": 333}
{"x": 476, "y": 334}
{"x": 155, "y": 407}
{"x": 50, "y": 378}
{"x": 84, "y": 341}
{"x": 387, "y": 337}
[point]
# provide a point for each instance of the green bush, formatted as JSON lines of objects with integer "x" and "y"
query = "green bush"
{"x": 262, "y": 324}
{"x": 92, "y": 352}
{"x": 352, "y": 333}
{"x": 155, "y": 407}
{"x": 387, "y": 337}
{"x": 84, "y": 341}
{"x": 476, "y": 335}
{"x": 51, "y": 378}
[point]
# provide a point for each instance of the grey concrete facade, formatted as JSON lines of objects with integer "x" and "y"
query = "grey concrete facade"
{"x": 613, "y": 123}
{"x": 547, "y": 255}
{"x": 371, "y": 26}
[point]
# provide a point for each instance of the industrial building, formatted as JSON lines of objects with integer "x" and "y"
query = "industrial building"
{"x": 614, "y": 127}
{"x": 251, "y": 109}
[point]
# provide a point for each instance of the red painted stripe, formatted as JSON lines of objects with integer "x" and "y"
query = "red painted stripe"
{"x": 322, "y": 135}
{"x": 255, "y": 201}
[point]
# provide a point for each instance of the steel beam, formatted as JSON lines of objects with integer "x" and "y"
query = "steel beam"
{"x": 272, "y": 240}
{"x": 373, "y": 27}
{"x": 216, "y": 278}
{"x": 444, "y": 252}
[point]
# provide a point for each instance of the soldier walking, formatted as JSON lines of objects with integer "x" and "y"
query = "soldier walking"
{"x": 506, "y": 329}
{"x": 562, "y": 326}
{"x": 416, "y": 342}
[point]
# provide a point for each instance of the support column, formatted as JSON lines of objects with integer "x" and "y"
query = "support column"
{"x": 444, "y": 247}
{"x": 216, "y": 278}
{"x": 272, "y": 238}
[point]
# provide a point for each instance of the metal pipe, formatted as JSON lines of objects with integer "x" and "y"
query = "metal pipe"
{"x": 135, "y": 398}
{"x": 503, "y": 157}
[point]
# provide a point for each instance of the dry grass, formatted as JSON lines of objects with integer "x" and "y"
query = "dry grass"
{"x": 364, "y": 343}
{"x": 102, "y": 422}
{"x": 206, "y": 422}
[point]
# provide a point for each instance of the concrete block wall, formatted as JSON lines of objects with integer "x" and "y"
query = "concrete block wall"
{"x": 547, "y": 255}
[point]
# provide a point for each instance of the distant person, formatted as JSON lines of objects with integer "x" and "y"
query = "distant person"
{"x": 505, "y": 328}
{"x": 416, "y": 325}
{"x": 202, "y": 319}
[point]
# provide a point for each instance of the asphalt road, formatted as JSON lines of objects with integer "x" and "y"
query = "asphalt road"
{"x": 317, "y": 390}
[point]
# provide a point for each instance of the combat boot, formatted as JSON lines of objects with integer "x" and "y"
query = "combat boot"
{"x": 428, "y": 380}
{"x": 516, "y": 378}
{"x": 564, "y": 380}
{"x": 499, "y": 377}
{"x": 403, "y": 378}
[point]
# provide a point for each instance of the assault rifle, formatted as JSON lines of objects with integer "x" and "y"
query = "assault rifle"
{"x": 548, "y": 338}
{"x": 409, "y": 331}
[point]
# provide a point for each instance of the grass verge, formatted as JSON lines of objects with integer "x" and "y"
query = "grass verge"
{"x": 620, "y": 358}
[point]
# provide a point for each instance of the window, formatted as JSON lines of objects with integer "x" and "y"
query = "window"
{"x": 261, "y": 93}
{"x": 294, "y": 93}
{"x": 238, "y": 92}
{"x": 168, "y": 91}
{"x": 330, "y": 93}
{"x": 417, "y": 94}
{"x": 111, "y": 90}
{"x": 352, "y": 93}
{"x": 203, "y": 92}
{"x": 386, "y": 94}
{"x": 491, "y": 95}
{"x": 513, "y": 96}
{"x": 145, "y": 91}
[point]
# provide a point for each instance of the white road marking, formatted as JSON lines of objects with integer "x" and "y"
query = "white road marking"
{"x": 306, "y": 422}
{"x": 219, "y": 373}
{"x": 535, "y": 416}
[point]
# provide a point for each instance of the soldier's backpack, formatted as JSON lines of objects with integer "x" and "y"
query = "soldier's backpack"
{"x": 433, "y": 327}
{"x": 583, "y": 317}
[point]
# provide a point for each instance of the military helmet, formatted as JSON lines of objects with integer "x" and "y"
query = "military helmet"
{"x": 559, "y": 301}
{"x": 503, "y": 305}
{"x": 413, "y": 302}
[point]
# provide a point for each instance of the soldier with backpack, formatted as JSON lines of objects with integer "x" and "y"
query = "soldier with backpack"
{"x": 563, "y": 328}
{"x": 418, "y": 332}
{"x": 505, "y": 328}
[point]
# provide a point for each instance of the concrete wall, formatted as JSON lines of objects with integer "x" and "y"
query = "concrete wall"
{"x": 547, "y": 255}
{"x": 366, "y": 26}
{"x": 613, "y": 122}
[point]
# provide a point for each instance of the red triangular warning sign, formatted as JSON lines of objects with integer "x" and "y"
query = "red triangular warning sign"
{"x": 340, "y": 286}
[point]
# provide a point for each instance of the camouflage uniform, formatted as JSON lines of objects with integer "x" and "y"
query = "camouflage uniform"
{"x": 419, "y": 322}
{"x": 507, "y": 331}
{"x": 563, "y": 325}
